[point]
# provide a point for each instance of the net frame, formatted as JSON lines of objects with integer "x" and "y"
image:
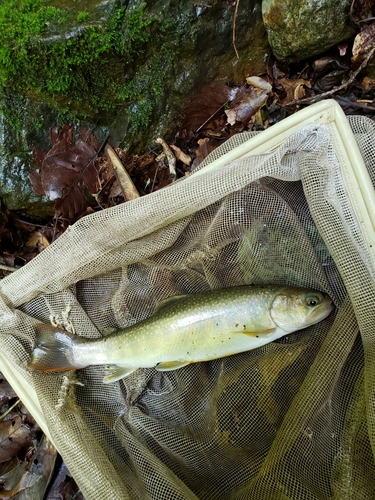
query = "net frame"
{"x": 354, "y": 174}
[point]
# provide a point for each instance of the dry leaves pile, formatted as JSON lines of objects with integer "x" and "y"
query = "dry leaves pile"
{"x": 27, "y": 458}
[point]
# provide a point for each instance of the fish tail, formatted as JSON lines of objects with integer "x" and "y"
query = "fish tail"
{"x": 55, "y": 349}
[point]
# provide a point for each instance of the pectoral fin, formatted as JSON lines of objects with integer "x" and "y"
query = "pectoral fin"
{"x": 171, "y": 365}
{"x": 109, "y": 331}
{"x": 115, "y": 372}
{"x": 261, "y": 333}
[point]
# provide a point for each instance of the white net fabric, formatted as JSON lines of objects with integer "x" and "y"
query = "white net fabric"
{"x": 291, "y": 420}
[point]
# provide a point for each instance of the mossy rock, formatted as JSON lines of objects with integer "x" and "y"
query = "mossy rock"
{"x": 127, "y": 66}
{"x": 299, "y": 29}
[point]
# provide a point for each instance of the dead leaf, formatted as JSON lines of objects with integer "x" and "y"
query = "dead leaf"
{"x": 14, "y": 437}
{"x": 6, "y": 393}
{"x": 11, "y": 476}
{"x": 66, "y": 170}
{"x": 37, "y": 239}
{"x": 205, "y": 105}
{"x": 363, "y": 42}
{"x": 246, "y": 103}
{"x": 329, "y": 71}
{"x": 115, "y": 190}
{"x": 294, "y": 88}
{"x": 206, "y": 145}
{"x": 63, "y": 486}
{"x": 368, "y": 83}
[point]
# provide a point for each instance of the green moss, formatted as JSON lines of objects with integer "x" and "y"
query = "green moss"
{"x": 146, "y": 87}
{"x": 83, "y": 16}
{"x": 80, "y": 73}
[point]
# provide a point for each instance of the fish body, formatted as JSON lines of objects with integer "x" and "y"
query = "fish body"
{"x": 187, "y": 329}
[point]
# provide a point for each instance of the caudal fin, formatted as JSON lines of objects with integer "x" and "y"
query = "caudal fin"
{"x": 54, "y": 351}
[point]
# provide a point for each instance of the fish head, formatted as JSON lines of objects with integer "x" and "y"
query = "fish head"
{"x": 295, "y": 308}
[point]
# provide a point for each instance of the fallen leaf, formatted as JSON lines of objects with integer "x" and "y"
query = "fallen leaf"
{"x": 37, "y": 239}
{"x": 63, "y": 486}
{"x": 363, "y": 42}
{"x": 66, "y": 170}
{"x": 6, "y": 392}
{"x": 14, "y": 437}
{"x": 368, "y": 83}
{"x": 329, "y": 71}
{"x": 204, "y": 106}
{"x": 245, "y": 104}
{"x": 205, "y": 146}
{"x": 11, "y": 476}
{"x": 294, "y": 88}
{"x": 115, "y": 190}
{"x": 259, "y": 83}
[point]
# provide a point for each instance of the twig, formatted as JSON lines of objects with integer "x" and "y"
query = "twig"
{"x": 336, "y": 89}
{"x": 210, "y": 118}
{"x": 96, "y": 154}
{"x": 54, "y": 230}
{"x": 234, "y": 28}
{"x": 30, "y": 223}
{"x": 127, "y": 185}
{"x": 153, "y": 182}
{"x": 351, "y": 17}
{"x": 180, "y": 155}
{"x": 170, "y": 157}
{"x": 9, "y": 409}
{"x": 8, "y": 268}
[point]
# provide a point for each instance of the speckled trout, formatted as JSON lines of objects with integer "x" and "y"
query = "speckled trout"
{"x": 187, "y": 329}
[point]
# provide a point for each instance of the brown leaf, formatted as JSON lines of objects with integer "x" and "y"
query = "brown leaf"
{"x": 10, "y": 477}
{"x": 63, "y": 486}
{"x": 66, "y": 170}
{"x": 329, "y": 71}
{"x": 36, "y": 182}
{"x": 204, "y": 106}
{"x": 6, "y": 391}
{"x": 294, "y": 88}
{"x": 14, "y": 436}
{"x": 206, "y": 145}
{"x": 363, "y": 42}
{"x": 37, "y": 239}
{"x": 246, "y": 103}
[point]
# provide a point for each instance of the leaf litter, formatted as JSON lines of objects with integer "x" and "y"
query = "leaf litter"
{"x": 80, "y": 176}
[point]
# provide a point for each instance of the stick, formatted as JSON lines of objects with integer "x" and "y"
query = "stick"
{"x": 9, "y": 409}
{"x": 234, "y": 28}
{"x": 336, "y": 89}
{"x": 7, "y": 268}
{"x": 127, "y": 185}
{"x": 170, "y": 157}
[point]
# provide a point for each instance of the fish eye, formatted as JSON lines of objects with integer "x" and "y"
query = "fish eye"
{"x": 312, "y": 301}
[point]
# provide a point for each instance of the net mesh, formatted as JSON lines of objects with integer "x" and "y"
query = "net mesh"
{"x": 294, "y": 419}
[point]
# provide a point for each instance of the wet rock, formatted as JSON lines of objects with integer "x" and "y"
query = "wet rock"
{"x": 299, "y": 29}
{"x": 23, "y": 126}
{"x": 129, "y": 67}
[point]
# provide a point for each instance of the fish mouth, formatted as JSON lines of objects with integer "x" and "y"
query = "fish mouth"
{"x": 319, "y": 313}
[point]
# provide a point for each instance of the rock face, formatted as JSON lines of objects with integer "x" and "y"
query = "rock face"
{"x": 298, "y": 29}
{"x": 128, "y": 66}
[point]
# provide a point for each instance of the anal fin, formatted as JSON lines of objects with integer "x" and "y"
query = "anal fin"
{"x": 116, "y": 372}
{"x": 166, "y": 366}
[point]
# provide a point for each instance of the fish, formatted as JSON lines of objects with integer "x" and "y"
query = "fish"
{"x": 186, "y": 329}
